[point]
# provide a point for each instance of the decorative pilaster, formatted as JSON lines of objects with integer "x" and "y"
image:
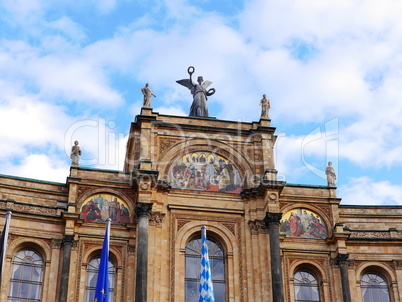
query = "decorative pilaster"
{"x": 272, "y": 221}
{"x": 67, "y": 243}
{"x": 143, "y": 212}
{"x": 342, "y": 261}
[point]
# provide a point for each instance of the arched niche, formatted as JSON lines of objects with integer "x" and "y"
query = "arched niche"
{"x": 303, "y": 223}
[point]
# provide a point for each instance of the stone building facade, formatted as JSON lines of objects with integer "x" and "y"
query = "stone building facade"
{"x": 269, "y": 240}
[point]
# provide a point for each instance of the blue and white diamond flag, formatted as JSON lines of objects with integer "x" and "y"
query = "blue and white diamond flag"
{"x": 206, "y": 289}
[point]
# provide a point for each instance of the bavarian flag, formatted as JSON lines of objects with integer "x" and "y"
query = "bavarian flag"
{"x": 206, "y": 290}
{"x": 102, "y": 284}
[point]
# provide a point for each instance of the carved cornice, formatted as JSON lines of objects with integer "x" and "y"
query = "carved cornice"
{"x": 143, "y": 209}
{"x": 272, "y": 219}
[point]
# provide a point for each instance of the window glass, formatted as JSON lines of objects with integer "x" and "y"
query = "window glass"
{"x": 306, "y": 287}
{"x": 26, "y": 276}
{"x": 374, "y": 288}
{"x": 192, "y": 264}
{"x": 92, "y": 277}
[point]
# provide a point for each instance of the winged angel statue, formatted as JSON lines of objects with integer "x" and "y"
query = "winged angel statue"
{"x": 199, "y": 92}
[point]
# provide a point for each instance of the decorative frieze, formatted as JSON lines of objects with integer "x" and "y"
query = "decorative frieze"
{"x": 370, "y": 234}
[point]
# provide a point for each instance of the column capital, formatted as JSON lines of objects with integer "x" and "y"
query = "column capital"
{"x": 341, "y": 259}
{"x": 272, "y": 219}
{"x": 143, "y": 209}
{"x": 68, "y": 240}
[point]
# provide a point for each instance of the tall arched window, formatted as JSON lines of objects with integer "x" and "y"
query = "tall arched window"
{"x": 217, "y": 262}
{"x": 306, "y": 287}
{"x": 92, "y": 277}
{"x": 374, "y": 287}
{"x": 26, "y": 276}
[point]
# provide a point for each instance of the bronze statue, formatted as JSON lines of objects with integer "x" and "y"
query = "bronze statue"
{"x": 199, "y": 92}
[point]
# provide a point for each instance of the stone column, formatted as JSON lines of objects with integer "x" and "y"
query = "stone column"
{"x": 143, "y": 211}
{"x": 272, "y": 221}
{"x": 342, "y": 261}
{"x": 68, "y": 241}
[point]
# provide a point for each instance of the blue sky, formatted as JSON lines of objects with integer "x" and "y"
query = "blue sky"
{"x": 332, "y": 70}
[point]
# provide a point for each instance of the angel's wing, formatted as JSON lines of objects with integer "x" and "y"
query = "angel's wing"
{"x": 186, "y": 83}
{"x": 206, "y": 84}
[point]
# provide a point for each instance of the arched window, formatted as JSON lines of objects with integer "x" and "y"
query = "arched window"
{"x": 193, "y": 262}
{"x": 92, "y": 277}
{"x": 374, "y": 288}
{"x": 306, "y": 287}
{"x": 26, "y": 276}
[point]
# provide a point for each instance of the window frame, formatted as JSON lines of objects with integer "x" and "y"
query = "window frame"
{"x": 18, "y": 282}
{"x": 317, "y": 285}
{"x": 370, "y": 287}
{"x": 112, "y": 270}
{"x": 223, "y": 258}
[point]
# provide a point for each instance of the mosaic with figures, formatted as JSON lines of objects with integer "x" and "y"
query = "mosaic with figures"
{"x": 205, "y": 172}
{"x": 99, "y": 207}
{"x": 303, "y": 223}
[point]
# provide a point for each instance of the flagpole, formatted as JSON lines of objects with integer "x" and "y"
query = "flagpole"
{"x": 3, "y": 243}
{"x": 102, "y": 284}
{"x": 206, "y": 290}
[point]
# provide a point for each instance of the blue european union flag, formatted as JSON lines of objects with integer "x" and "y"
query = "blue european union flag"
{"x": 102, "y": 284}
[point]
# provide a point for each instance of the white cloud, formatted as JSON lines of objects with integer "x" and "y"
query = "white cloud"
{"x": 68, "y": 27}
{"x": 366, "y": 191}
{"x": 39, "y": 166}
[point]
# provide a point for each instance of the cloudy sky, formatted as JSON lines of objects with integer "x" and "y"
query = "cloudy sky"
{"x": 332, "y": 70}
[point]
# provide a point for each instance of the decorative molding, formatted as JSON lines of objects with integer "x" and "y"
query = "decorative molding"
{"x": 25, "y": 208}
{"x": 231, "y": 227}
{"x": 165, "y": 144}
{"x": 181, "y": 223}
{"x": 56, "y": 243}
{"x": 131, "y": 249}
{"x": 397, "y": 264}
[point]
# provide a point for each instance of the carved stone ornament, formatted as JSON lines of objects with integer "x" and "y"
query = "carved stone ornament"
{"x": 156, "y": 219}
{"x": 257, "y": 227}
{"x": 56, "y": 243}
{"x": 143, "y": 209}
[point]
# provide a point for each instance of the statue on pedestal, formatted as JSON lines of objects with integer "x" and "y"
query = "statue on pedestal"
{"x": 75, "y": 154}
{"x": 265, "y": 105}
{"x": 147, "y": 95}
{"x": 199, "y": 92}
{"x": 331, "y": 175}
